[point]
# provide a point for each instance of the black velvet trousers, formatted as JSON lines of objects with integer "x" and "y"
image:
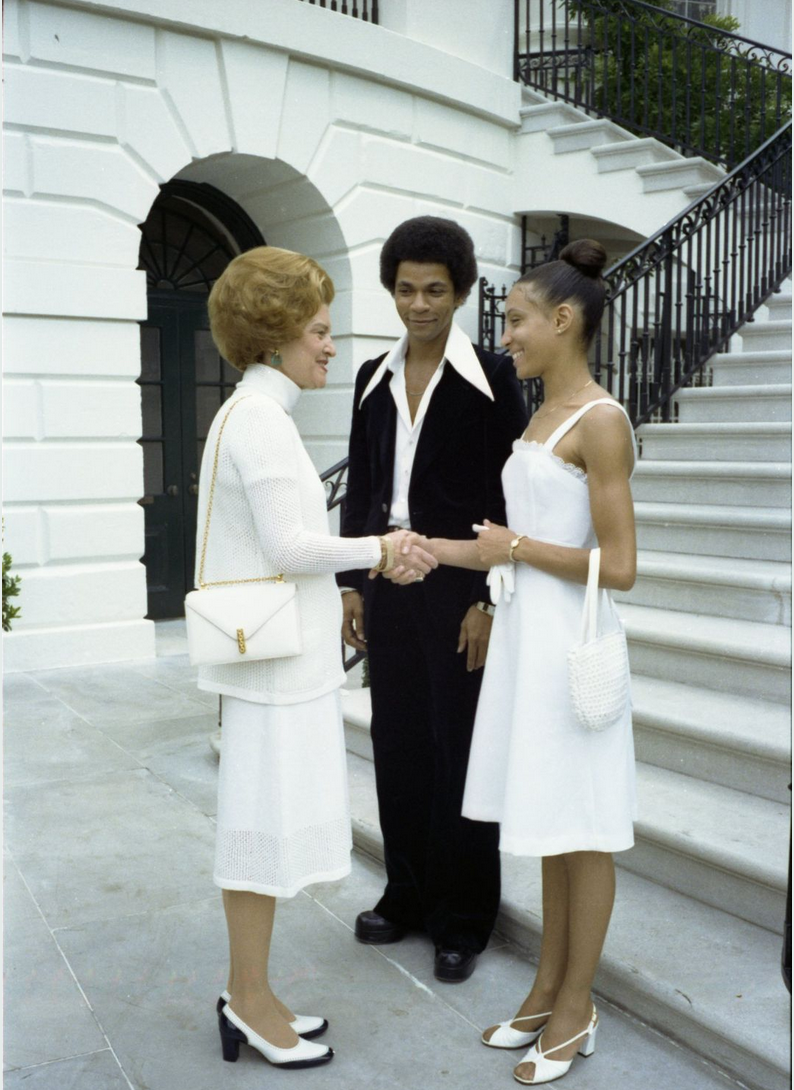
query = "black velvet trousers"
{"x": 442, "y": 869}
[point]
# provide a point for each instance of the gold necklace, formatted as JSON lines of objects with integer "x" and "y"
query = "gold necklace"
{"x": 567, "y": 398}
{"x": 418, "y": 393}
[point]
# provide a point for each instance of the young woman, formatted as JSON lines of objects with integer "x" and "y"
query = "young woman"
{"x": 283, "y": 818}
{"x": 558, "y": 791}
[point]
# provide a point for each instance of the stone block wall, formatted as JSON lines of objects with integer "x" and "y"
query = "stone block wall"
{"x": 327, "y": 131}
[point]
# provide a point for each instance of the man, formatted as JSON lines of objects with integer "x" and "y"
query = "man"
{"x": 433, "y": 424}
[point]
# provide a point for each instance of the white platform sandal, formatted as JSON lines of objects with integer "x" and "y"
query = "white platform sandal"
{"x": 507, "y": 1037}
{"x": 547, "y": 1070}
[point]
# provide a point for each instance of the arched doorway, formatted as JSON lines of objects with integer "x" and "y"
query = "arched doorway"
{"x": 191, "y": 233}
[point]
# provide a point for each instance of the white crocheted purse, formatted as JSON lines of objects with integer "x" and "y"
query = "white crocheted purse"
{"x": 598, "y": 667}
{"x": 240, "y": 620}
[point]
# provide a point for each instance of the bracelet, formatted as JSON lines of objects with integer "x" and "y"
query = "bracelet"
{"x": 386, "y": 555}
{"x": 486, "y": 607}
{"x": 514, "y": 546}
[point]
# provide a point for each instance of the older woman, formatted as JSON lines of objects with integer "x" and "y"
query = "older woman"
{"x": 283, "y": 818}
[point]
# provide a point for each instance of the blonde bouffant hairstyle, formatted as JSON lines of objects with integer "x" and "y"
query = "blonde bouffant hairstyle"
{"x": 263, "y": 299}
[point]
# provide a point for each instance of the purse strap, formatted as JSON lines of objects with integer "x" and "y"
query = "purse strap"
{"x": 224, "y": 582}
{"x": 590, "y": 607}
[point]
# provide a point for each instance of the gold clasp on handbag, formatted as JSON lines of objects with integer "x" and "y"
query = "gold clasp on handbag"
{"x": 241, "y": 641}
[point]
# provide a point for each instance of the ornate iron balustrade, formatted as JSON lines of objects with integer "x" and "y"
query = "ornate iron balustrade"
{"x": 367, "y": 10}
{"x": 701, "y": 89}
{"x": 534, "y": 255}
{"x": 491, "y": 328}
{"x": 335, "y": 481}
{"x": 679, "y": 297}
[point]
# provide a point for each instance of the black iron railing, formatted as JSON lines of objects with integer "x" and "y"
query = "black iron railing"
{"x": 335, "y": 481}
{"x": 359, "y": 9}
{"x": 697, "y": 87}
{"x": 679, "y": 297}
{"x": 547, "y": 250}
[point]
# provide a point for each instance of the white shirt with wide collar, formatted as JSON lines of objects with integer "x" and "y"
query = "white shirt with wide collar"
{"x": 458, "y": 353}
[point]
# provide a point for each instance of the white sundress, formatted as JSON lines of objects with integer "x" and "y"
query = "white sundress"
{"x": 552, "y": 785}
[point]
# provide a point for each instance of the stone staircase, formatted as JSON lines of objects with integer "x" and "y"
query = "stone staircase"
{"x": 602, "y": 165}
{"x": 694, "y": 948}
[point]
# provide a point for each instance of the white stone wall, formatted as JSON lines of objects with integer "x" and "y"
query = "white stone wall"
{"x": 327, "y": 156}
{"x": 765, "y": 21}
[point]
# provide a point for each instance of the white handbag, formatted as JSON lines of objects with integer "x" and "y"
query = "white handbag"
{"x": 598, "y": 667}
{"x": 240, "y": 620}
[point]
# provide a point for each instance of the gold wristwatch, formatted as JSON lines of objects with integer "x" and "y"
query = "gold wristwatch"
{"x": 514, "y": 546}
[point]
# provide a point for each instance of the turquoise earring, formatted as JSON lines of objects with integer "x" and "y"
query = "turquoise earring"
{"x": 275, "y": 358}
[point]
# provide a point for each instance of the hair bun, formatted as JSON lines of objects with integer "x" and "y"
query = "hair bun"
{"x": 586, "y": 255}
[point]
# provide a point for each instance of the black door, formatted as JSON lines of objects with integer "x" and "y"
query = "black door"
{"x": 183, "y": 382}
{"x": 190, "y": 235}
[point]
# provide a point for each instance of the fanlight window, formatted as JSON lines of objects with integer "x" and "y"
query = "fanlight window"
{"x": 183, "y": 248}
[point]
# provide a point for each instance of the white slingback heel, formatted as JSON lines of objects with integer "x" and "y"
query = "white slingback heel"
{"x": 547, "y": 1070}
{"x": 234, "y": 1031}
{"x": 507, "y": 1037}
{"x": 305, "y": 1025}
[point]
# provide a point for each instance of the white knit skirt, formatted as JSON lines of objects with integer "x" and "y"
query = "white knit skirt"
{"x": 283, "y": 811}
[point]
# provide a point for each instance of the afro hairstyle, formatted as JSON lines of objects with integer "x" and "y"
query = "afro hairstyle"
{"x": 430, "y": 240}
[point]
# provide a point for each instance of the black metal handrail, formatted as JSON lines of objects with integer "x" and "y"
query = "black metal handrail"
{"x": 335, "y": 481}
{"x": 679, "y": 297}
{"x": 696, "y": 87}
{"x": 367, "y": 10}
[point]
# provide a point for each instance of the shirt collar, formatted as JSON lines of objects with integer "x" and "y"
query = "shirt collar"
{"x": 458, "y": 350}
{"x": 264, "y": 379}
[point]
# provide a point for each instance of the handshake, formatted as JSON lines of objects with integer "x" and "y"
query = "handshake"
{"x": 406, "y": 559}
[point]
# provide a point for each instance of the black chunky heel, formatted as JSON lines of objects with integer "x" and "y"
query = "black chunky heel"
{"x": 234, "y": 1030}
{"x": 230, "y": 1039}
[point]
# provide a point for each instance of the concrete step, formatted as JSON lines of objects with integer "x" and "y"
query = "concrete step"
{"x": 752, "y": 533}
{"x": 678, "y": 173}
{"x": 735, "y": 741}
{"x": 749, "y": 590}
{"x": 727, "y": 656}
{"x": 766, "y": 335}
{"x": 730, "y": 740}
{"x": 695, "y": 973}
{"x": 548, "y": 115}
{"x": 750, "y": 484}
{"x": 694, "y": 192}
{"x": 627, "y": 154}
{"x": 779, "y": 305}
{"x": 716, "y": 442}
{"x": 713, "y": 404}
{"x": 712, "y": 843}
{"x": 582, "y": 135}
{"x": 750, "y": 368}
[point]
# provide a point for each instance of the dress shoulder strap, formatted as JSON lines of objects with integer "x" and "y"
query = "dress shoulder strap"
{"x": 574, "y": 418}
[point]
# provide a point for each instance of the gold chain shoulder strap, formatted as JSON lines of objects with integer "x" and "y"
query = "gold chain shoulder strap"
{"x": 224, "y": 582}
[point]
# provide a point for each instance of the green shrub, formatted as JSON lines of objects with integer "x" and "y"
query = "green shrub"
{"x": 652, "y": 72}
{"x": 10, "y": 590}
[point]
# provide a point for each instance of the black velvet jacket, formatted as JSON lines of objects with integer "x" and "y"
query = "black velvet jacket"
{"x": 456, "y": 479}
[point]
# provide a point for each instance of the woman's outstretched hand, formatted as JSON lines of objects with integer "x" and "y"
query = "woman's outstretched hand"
{"x": 412, "y": 558}
{"x": 493, "y": 544}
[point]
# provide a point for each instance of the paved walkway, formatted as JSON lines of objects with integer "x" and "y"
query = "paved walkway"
{"x": 115, "y": 942}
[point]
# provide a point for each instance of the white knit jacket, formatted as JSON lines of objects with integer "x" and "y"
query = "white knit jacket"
{"x": 268, "y": 517}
